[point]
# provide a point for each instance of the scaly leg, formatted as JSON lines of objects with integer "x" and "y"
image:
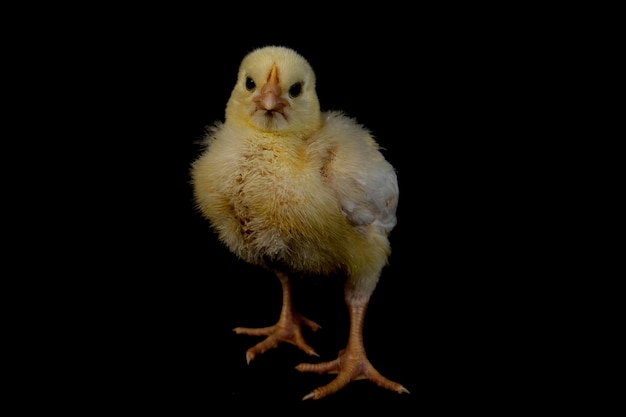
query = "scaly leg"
{"x": 288, "y": 329}
{"x": 352, "y": 363}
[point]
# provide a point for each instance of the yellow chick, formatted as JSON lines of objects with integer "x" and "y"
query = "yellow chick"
{"x": 300, "y": 192}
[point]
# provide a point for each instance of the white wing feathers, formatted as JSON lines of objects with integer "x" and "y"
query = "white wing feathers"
{"x": 364, "y": 183}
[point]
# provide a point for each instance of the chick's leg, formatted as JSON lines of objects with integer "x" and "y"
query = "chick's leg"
{"x": 352, "y": 363}
{"x": 288, "y": 329}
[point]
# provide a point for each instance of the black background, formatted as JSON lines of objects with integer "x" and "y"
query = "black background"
{"x": 150, "y": 297}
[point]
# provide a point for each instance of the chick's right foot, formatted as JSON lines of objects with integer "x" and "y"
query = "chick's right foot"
{"x": 288, "y": 329}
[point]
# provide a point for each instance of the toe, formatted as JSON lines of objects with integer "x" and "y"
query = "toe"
{"x": 319, "y": 368}
{"x": 374, "y": 376}
{"x": 264, "y": 331}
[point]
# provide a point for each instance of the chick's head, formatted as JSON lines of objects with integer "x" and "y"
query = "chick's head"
{"x": 275, "y": 92}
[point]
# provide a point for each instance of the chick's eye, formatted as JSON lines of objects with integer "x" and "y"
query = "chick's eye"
{"x": 295, "y": 89}
{"x": 250, "y": 85}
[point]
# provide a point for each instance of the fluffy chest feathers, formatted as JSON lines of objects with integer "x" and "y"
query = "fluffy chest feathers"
{"x": 276, "y": 185}
{"x": 306, "y": 202}
{"x": 266, "y": 197}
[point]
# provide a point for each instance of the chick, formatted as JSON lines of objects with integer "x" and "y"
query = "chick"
{"x": 300, "y": 192}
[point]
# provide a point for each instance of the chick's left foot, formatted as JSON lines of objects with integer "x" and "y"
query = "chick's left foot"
{"x": 349, "y": 366}
{"x": 288, "y": 329}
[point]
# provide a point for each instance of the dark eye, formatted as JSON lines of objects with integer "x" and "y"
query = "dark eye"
{"x": 250, "y": 85}
{"x": 295, "y": 90}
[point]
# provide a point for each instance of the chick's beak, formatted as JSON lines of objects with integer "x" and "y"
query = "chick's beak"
{"x": 270, "y": 98}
